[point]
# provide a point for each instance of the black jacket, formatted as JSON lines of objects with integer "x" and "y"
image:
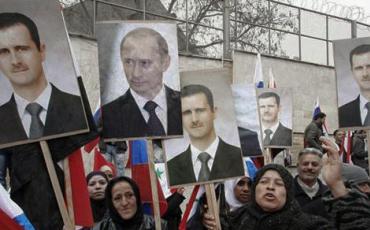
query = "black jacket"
{"x": 314, "y": 206}
{"x": 250, "y": 217}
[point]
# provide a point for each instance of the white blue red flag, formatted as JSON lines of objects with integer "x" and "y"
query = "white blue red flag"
{"x": 12, "y": 216}
{"x": 258, "y": 74}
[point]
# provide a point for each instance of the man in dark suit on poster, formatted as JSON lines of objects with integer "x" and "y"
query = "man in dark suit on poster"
{"x": 356, "y": 112}
{"x": 36, "y": 108}
{"x": 207, "y": 157}
{"x": 148, "y": 107}
{"x": 274, "y": 132}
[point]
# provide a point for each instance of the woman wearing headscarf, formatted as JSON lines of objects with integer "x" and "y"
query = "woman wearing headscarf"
{"x": 125, "y": 208}
{"x": 96, "y": 184}
{"x": 237, "y": 192}
{"x": 273, "y": 206}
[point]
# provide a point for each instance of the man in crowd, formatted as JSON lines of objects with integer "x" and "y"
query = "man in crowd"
{"x": 359, "y": 154}
{"x": 148, "y": 107}
{"x": 274, "y": 132}
{"x": 356, "y": 112}
{"x": 339, "y": 139}
{"x": 314, "y": 131}
{"x": 208, "y": 157}
{"x": 36, "y": 108}
{"x": 355, "y": 176}
{"x": 308, "y": 187}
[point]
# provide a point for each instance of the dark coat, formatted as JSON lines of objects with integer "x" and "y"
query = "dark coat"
{"x": 122, "y": 117}
{"x": 314, "y": 206}
{"x": 359, "y": 156}
{"x": 350, "y": 114}
{"x": 173, "y": 213}
{"x": 227, "y": 163}
{"x": 147, "y": 224}
{"x": 291, "y": 218}
{"x": 349, "y": 212}
{"x": 282, "y": 136}
{"x": 312, "y": 133}
{"x": 65, "y": 114}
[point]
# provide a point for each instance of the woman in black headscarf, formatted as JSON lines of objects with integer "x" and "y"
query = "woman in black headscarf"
{"x": 272, "y": 205}
{"x": 97, "y": 182}
{"x": 125, "y": 208}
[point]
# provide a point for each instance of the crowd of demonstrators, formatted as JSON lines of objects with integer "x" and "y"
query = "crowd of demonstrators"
{"x": 359, "y": 155}
{"x": 314, "y": 131}
{"x": 308, "y": 188}
{"x": 96, "y": 184}
{"x": 125, "y": 209}
{"x": 273, "y": 205}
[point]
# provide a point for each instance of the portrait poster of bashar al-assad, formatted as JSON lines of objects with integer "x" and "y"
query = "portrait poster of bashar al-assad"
{"x": 275, "y": 106}
{"x": 210, "y": 149}
{"x": 247, "y": 119}
{"x": 352, "y": 67}
{"x": 39, "y": 94}
{"x": 139, "y": 80}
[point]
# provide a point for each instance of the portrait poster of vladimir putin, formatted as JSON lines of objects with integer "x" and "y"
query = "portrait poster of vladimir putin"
{"x": 275, "y": 107}
{"x": 352, "y": 67}
{"x": 39, "y": 94}
{"x": 139, "y": 80}
{"x": 210, "y": 149}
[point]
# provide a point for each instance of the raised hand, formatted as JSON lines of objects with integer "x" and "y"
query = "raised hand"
{"x": 332, "y": 169}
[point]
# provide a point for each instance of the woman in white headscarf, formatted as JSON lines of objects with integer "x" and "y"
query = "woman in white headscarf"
{"x": 237, "y": 192}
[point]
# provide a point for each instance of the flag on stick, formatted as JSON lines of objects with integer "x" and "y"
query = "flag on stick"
{"x": 272, "y": 83}
{"x": 140, "y": 174}
{"x": 347, "y": 143}
{"x": 11, "y": 215}
{"x": 258, "y": 74}
{"x": 317, "y": 110}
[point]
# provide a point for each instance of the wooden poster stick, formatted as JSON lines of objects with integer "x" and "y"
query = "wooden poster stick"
{"x": 368, "y": 148}
{"x": 212, "y": 204}
{"x": 267, "y": 157}
{"x": 69, "y": 197}
{"x": 56, "y": 187}
{"x": 153, "y": 185}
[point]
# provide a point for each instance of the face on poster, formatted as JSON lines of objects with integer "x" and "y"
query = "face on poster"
{"x": 210, "y": 150}
{"x": 39, "y": 97}
{"x": 352, "y": 67}
{"x": 138, "y": 65}
{"x": 275, "y": 107}
{"x": 247, "y": 118}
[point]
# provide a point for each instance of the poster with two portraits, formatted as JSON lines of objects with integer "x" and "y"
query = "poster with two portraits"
{"x": 40, "y": 97}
